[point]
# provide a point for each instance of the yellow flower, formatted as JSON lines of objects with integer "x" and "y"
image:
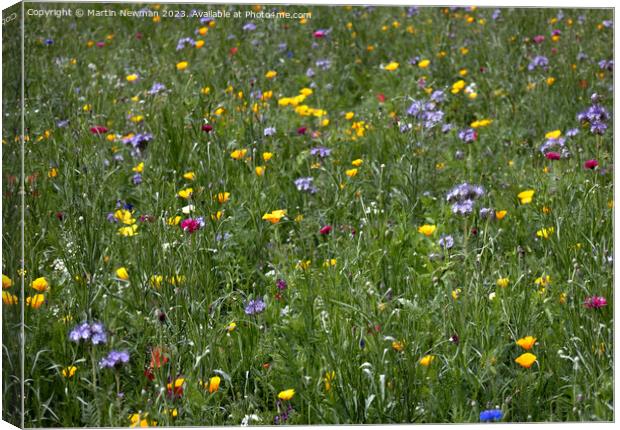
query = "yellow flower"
{"x": 267, "y": 156}
{"x": 6, "y": 282}
{"x": 8, "y": 298}
{"x": 351, "y": 173}
{"x": 349, "y": 115}
{"x": 525, "y": 197}
{"x": 427, "y": 360}
{"x": 260, "y": 170}
{"x": 543, "y": 281}
{"x": 185, "y": 193}
{"x": 132, "y": 77}
{"x": 328, "y": 379}
{"x": 190, "y": 176}
{"x": 456, "y": 293}
{"x": 35, "y": 301}
{"x": 397, "y": 345}
{"x": 87, "y": 108}
{"x": 238, "y": 154}
{"x": 52, "y": 173}
{"x": 481, "y": 123}
{"x": 69, "y": 371}
{"x": 391, "y": 66}
{"x": 205, "y": 90}
{"x": 174, "y": 220}
{"x": 231, "y": 327}
{"x": 304, "y": 264}
{"x": 182, "y": 65}
{"x": 306, "y": 91}
{"x": 199, "y": 44}
{"x": 550, "y": 80}
{"x": 527, "y": 343}
{"x": 555, "y": 134}
{"x": 330, "y": 262}
{"x": 286, "y": 394}
{"x": 545, "y": 233}
{"x": 121, "y": 273}
{"x": 223, "y": 197}
{"x": 130, "y": 230}
{"x": 500, "y": 214}
{"x": 40, "y": 284}
{"x": 214, "y": 384}
{"x": 424, "y": 64}
{"x": 141, "y": 421}
{"x": 357, "y": 163}
{"x": 271, "y": 74}
{"x": 502, "y": 282}
{"x": 217, "y": 216}
{"x": 457, "y": 86}
{"x": 137, "y": 118}
{"x": 178, "y": 382}
{"x": 427, "y": 229}
{"x": 139, "y": 168}
{"x": 526, "y": 360}
{"x": 124, "y": 216}
{"x": 274, "y": 217}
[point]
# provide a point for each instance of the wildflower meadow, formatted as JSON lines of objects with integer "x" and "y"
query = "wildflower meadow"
{"x": 269, "y": 214}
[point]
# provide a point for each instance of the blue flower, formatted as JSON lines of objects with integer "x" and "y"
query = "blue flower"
{"x": 491, "y": 415}
{"x": 255, "y": 307}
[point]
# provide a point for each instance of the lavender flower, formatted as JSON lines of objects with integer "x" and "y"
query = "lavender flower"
{"x": 94, "y": 332}
{"x": 156, "y": 88}
{"x": 250, "y": 26}
{"x": 136, "y": 179}
{"x": 446, "y": 241}
{"x": 463, "y": 208}
{"x": 539, "y": 61}
{"x": 269, "y": 131}
{"x": 114, "y": 359}
{"x": 305, "y": 184}
{"x": 462, "y": 198}
{"x": 497, "y": 13}
{"x": 606, "y": 65}
{"x": 487, "y": 213}
{"x": 255, "y": 307}
{"x": 468, "y": 135}
{"x": 323, "y": 64}
{"x": 321, "y": 151}
{"x": 183, "y": 41}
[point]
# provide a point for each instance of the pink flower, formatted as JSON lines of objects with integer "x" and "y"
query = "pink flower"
{"x": 100, "y": 44}
{"x": 539, "y": 39}
{"x": 553, "y": 155}
{"x": 98, "y": 129}
{"x": 590, "y": 164}
{"x": 190, "y": 225}
{"x": 325, "y": 230}
{"x": 595, "y": 302}
{"x": 319, "y": 34}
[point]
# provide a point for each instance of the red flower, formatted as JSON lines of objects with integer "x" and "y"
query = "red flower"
{"x": 553, "y": 155}
{"x": 325, "y": 230}
{"x": 233, "y": 51}
{"x": 302, "y": 130}
{"x": 207, "y": 128}
{"x": 590, "y": 164}
{"x": 381, "y": 97}
{"x": 98, "y": 129}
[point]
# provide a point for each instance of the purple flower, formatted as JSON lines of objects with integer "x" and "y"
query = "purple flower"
{"x": 255, "y": 307}
{"x": 572, "y": 132}
{"x": 114, "y": 359}
{"x": 468, "y": 135}
{"x": 438, "y": 96}
{"x": 156, "y": 88}
{"x": 323, "y": 64}
{"x": 281, "y": 284}
{"x": 497, "y": 13}
{"x": 463, "y": 208}
{"x": 538, "y": 62}
{"x": 608, "y": 23}
{"x": 321, "y": 151}
{"x": 269, "y": 131}
{"x": 446, "y": 241}
{"x": 85, "y": 331}
{"x": 305, "y": 184}
{"x": 487, "y": 213}
{"x": 250, "y": 26}
{"x": 183, "y": 41}
{"x": 139, "y": 140}
{"x": 137, "y": 179}
{"x": 606, "y": 65}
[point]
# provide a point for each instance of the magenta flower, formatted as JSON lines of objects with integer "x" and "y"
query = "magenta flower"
{"x": 325, "y": 230}
{"x": 207, "y": 128}
{"x": 590, "y": 164}
{"x": 539, "y": 39}
{"x": 98, "y": 129}
{"x": 553, "y": 155}
{"x": 595, "y": 302}
{"x": 190, "y": 225}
